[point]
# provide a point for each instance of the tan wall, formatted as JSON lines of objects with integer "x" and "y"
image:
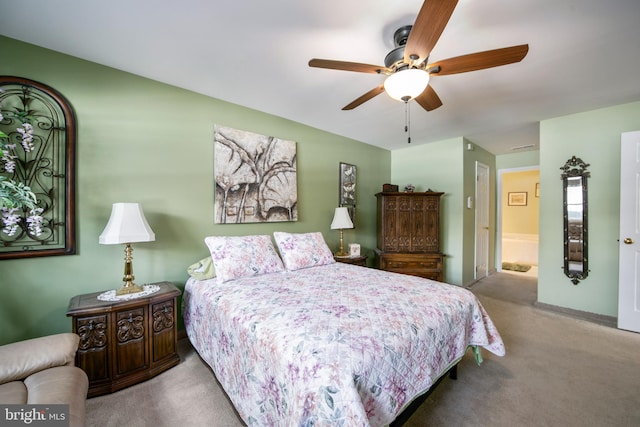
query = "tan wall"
{"x": 520, "y": 219}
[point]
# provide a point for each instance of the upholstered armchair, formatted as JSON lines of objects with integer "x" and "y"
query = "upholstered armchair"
{"x": 42, "y": 371}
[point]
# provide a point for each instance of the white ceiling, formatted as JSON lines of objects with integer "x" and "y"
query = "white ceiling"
{"x": 584, "y": 54}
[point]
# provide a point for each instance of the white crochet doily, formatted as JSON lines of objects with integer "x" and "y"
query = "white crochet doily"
{"x": 111, "y": 295}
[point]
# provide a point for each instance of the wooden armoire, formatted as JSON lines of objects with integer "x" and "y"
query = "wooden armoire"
{"x": 409, "y": 234}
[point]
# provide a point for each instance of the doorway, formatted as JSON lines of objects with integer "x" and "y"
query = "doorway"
{"x": 517, "y": 218}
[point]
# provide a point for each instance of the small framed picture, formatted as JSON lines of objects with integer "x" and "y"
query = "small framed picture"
{"x": 518, "y": 198}
{"x": 537, "y": 189}
{"x": 354, "y": 249}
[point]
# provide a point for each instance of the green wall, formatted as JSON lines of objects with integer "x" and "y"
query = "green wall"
{"x": 449, "y": 167}
{"x": 144, "y": 141}
{"x": 594, "y": 137}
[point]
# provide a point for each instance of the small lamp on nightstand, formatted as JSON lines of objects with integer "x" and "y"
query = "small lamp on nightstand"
{"x": 127, "y": 225}
{"x": 341, "y": 220}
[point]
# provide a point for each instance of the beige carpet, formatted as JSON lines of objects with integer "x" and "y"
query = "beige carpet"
{"x": 511, "y": 286}
{"x": 558, "y": 371}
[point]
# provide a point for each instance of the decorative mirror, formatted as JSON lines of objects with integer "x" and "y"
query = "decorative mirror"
{"x": 574, "y": 191}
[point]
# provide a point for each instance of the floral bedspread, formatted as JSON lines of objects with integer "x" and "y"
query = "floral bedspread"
{"x": 336, "y": 345}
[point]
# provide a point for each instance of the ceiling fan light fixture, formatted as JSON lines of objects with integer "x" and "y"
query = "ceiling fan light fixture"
{"x": 405, "y": 85}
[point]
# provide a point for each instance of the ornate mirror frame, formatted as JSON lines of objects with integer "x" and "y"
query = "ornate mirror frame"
{"x": 48, "y": 169}
{"x": 574, "y": 207}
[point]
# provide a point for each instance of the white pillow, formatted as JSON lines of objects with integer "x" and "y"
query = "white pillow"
{"x": 243, "y": 256}
{"x": 303, "y": 250}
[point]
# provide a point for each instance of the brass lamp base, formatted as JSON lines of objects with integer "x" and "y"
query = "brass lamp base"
{"x": 341, "y": 251}
{"x": 129, "y": 287}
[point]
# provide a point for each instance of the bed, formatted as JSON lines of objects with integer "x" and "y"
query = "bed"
{"x": 325, "y": 344}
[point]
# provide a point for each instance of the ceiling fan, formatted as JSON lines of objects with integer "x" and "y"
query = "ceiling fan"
{"x": 406, "y": 66}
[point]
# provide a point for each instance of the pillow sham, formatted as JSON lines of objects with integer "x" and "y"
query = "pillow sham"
{"x": 202, "y": 270}
{"x": 235, "y": 257}
{"x": 302, "y": 250}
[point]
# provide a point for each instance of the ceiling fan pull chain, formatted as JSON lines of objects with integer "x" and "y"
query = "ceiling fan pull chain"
{"x": 407, "y": 120}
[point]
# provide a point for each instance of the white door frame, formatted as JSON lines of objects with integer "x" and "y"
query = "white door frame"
{"x": 482, "y": 210}
{"x": 499, "y": 209}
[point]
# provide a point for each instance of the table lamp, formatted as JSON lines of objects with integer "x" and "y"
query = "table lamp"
{"x": 127, "y": 225}
{"x": 341, "y": 220}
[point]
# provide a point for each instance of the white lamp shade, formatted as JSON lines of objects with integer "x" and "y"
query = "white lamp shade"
{"x": 341, "y": 219}
{"x": 405, "y": 85}
{"x": 127, "y": 224}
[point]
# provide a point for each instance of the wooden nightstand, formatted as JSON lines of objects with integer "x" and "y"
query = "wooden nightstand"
{"x": 125, "y": 342}
{"x": 356, "y": 260}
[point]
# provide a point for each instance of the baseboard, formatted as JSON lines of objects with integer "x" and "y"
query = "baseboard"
{"x": 583, "y": 315}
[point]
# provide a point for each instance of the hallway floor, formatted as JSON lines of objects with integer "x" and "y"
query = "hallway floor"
{"x": 512, "y": 286}
{"x": 533, "y": 272}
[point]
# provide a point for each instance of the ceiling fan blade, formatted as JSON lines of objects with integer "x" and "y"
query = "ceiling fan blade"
{"x": 349, "y": 66}
{"x": 479, "y": 60}
{"x": 429, "y": 99}
{"x": 364, "y": 98}
{"x": 432, "y": 18}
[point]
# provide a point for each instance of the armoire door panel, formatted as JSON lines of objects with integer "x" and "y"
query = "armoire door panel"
{"x": 409, "y": 223}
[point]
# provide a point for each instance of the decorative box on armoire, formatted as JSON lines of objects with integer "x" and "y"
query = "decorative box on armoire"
{"x": 409, "y": 234}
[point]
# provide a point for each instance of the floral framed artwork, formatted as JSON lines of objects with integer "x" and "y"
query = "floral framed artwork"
{"x": 37, "y": 170}
{"x": 517, "y": 198}
{"x": 347, "y": 184}
{"x": 255, "y": 177}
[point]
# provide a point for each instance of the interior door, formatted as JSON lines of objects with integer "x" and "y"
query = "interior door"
{"x": 629, "y": 279}
{"x": 482, "y": 221}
